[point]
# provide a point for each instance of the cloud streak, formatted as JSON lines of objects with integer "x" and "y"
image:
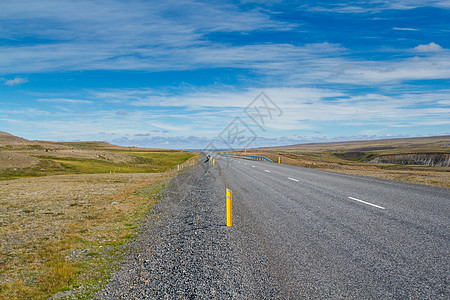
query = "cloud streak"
{"x": 15, "y": 81}
{"x": 65, "y": 101}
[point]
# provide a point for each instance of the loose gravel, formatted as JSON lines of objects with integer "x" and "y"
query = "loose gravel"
{"x": 185, "y": 251}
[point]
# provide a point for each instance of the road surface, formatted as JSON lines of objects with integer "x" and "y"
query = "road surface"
{"x": 297, "y": 233}
{"x": 337, "y": 235}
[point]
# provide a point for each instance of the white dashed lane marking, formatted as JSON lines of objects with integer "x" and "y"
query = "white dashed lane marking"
{"x": 368, "y": 203}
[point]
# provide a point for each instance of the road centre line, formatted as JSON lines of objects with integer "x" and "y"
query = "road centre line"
{"x": 293, "y": 179}
{"x": 267, "y": 171}
{"x": 368, "y": 203}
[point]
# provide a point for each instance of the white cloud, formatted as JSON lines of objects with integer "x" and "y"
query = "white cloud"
{"x": 374, "y": 6}
{"x": 138, "y": 36}
{"x": 208, "y": 111}
{"x": 435, "y": 66}
{"x": 404, "y": 29}
{"x": 122, "y": 113}
{"x": 65, "y": 100}
{"x": 114, "y": 35}
{"x": 16, "y": 81}
{"x": 411, "y": 4}
{"x": 431, "y": 47}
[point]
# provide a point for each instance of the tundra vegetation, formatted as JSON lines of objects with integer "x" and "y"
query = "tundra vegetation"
{"x": 68, "y": 210}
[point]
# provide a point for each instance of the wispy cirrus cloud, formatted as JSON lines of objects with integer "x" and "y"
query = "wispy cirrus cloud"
{"x": 169, "y": 37}
{"x": 65, "y": 100}
{"x": 86, "y": 35}
{"x": 15, "y": 81}
{"x": 404, "y": 29}
{"x": 376, "y": 72}
{"x": 375, "y": 6}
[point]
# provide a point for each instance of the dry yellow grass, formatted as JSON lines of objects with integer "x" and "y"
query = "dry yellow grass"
{"x": 9, "y": 159}
{"x": 53, "y": 229}
{"x": 441, "y": 179}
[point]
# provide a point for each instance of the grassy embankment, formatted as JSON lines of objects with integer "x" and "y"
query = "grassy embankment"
{"x": 355, "y": 157}
{"x": 67, "y": 232}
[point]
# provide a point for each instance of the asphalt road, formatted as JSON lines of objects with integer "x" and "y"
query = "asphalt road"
{"x": 305, "y": 233}
{"x": 297, "y": 233}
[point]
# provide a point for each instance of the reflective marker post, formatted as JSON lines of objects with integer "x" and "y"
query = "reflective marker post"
{"x": 229, "y": 200}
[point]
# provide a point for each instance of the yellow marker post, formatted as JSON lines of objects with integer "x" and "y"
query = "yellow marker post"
{"x": 229, "y": 200}
{"x": 214, "y": 161}
{"x": 279, "y": 160}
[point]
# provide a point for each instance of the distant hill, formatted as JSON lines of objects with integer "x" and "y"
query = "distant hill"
{"x": 385, "y": 146}
{"x": 15, "y": 142}
{"x": 7, "y": 138}
{"x": 9, "y": 141}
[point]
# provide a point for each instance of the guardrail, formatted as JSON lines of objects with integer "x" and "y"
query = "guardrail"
{"x": 254, "y": 157}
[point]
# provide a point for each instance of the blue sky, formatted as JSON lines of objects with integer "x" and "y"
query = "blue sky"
{"x": 175, "y": 74}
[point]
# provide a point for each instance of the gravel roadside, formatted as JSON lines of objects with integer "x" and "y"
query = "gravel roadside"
{"x": 185, "y": 251}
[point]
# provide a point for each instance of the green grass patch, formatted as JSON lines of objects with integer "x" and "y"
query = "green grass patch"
{"x": 92, "y": 166}
{"x": 44, "y": 167}
{"x": 144, "y": 162}
{"x": 161, "y": 159}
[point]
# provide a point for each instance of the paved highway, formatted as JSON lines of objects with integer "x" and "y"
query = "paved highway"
{"x": 305, "y": 233}
{"x": 297, "y": 234}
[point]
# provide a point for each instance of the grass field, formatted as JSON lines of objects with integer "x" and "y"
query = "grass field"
{"x": 122, "y": 161}
{"x": 64, "y": 232}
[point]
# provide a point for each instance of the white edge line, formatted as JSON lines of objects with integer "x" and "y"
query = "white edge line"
{"x": 368, "y": 203}
{"x": 267, "y": 171}
{"x": 293, "y": 179}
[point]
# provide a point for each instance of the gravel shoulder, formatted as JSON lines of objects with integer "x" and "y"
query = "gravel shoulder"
{"x": 184, "y": 250}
